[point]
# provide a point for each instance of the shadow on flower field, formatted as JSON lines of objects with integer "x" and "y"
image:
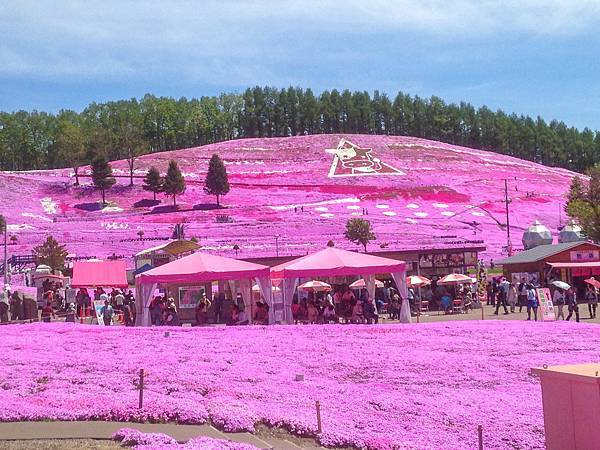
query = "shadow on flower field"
{"x": 380, "y": 387}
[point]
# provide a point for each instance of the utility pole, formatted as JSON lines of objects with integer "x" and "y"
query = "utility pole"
{"x": 506, "y": 202}
{"x": 559, "y": 216}
{"x": 5, "y": 254}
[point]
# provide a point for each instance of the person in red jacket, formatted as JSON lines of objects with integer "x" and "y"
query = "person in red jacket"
{"x": 48, "y": 312}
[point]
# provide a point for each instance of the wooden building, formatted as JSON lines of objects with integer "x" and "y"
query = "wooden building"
{"x": 570, "y": 262}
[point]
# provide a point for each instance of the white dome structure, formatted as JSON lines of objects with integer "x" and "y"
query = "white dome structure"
{"x": 536, "y": 235}
{"x": 571, "y": 233}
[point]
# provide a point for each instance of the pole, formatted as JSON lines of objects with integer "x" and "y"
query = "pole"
{"x": 506, "y": 202}
{"x": 480, "y": 436}
{"x": 5, "y": 254}
{"x": 276, "y": 245}
{"x": 419, "y": 287}
{"x": 319, "y": 427}
{"x": 141, "y": 386}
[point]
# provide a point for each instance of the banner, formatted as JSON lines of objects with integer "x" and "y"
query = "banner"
{"x": 546, "y": 306}
{"x": 190, "y": 296}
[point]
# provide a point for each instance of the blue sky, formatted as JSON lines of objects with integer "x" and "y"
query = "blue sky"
{"x": 531, "y": 56}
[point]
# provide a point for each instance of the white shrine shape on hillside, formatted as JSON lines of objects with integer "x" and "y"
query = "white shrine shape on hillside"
{"x": 350, "y": 160}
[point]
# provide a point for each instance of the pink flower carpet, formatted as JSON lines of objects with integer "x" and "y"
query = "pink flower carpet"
{"x": 381, "y": 387}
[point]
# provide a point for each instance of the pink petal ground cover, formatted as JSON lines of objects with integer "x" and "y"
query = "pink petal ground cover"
{"x": 381, "y": 387}
{"x": 441, "y": 191}
{"x": 158, "y": 441}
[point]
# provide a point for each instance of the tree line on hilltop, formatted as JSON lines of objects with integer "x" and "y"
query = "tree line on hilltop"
{"x": 126, "y": 128}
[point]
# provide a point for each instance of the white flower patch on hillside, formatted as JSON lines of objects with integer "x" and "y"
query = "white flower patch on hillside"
{"x": 48, "y": 205}
{"x": 114, "y": 225}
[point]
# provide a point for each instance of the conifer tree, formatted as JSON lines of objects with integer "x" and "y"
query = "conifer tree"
{"x": 102, "y": 176}
{"x": 174, "y": 183}
{"x": 359, "y": 231}
{"x": 153, "y": 182}
{"x": 51, "y": 253}
{"x": 216, "y": 178}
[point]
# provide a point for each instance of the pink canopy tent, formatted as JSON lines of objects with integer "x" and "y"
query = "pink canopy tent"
{"x": 332, "y": 262}
{"x": 99, "y": 273}
{"x": 200, "y": 268}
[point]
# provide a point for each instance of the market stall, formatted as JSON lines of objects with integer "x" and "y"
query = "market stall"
{"x": 190, "y": 277}
{"x": 333, "y": 262}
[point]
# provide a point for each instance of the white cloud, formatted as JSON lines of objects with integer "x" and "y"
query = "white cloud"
{"x": 240, "y": 43}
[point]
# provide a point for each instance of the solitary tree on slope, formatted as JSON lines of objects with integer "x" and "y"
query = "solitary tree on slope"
{"x": 102, "y": 176}
{"x": 174, "y": 183}
{"x": 216, "y": 178}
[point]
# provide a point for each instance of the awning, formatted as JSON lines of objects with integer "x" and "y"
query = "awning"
{"x": 99, "y": 273}
{"x": 332, "y": 262}
{"x": 575, "y": 265}
{"x": 202, "y": 267}
{"x": 173, "y": 248}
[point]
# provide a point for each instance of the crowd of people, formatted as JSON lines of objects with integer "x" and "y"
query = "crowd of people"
{"x": 507, "y": 295}
{"x": 117, "y": 303}
{"x": 344, "y": 305}
{"x": 338, "y": 305}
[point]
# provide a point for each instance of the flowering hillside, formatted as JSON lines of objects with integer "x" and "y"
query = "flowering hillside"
{"x": 389, "y": 386}
{"x": 415, "y": 193}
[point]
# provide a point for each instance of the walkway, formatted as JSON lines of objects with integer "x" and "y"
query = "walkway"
{"x": 23, "y": 431}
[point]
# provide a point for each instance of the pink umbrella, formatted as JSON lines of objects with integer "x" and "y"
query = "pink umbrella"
{"x": 315, "y": 286}
{"x": 456, "y": 278}
{"x": 417, "y": 281}
{"x": 361, "y": 284}
{"x": 593, "y": 282}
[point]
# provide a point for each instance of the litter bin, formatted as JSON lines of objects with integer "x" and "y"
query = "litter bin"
{"x": 571, "y": 399}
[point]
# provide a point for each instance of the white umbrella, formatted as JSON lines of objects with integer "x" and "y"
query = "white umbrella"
{"x": 456, "y": 278}
{"x": 361, "y": 284}
{"x": 417, "y": 281}
{"x": 561, "y": 285}
{"x": 315, "y": 286}
{"x": 256, "y": 288}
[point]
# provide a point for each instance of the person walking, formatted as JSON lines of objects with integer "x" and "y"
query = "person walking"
{"x": 128, "y": 314}
{"x": 48, "y": 313}
{"x": 513, "y": 297}
{"x": 4, "y": 306}
{"x": 572, "y": 304}
{"x": 592, "y": 300}
{"x": 501, "y": 298}
{"x": 16, "y": 306}
{"x": 70, "y": 313}
{"x": 202, "y": 308}
{"x": 532, "y": 302}
{"x": 522, "y": 291}
{"x": 218, "y": 300}
{"x": 107, "y": 313}
{"x": 558, "y": 299}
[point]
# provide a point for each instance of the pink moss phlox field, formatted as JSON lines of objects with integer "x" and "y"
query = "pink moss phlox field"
{"x": 381, "y": 387}
{"x": 159, "y": 441}
{"x": 447, "y": 194}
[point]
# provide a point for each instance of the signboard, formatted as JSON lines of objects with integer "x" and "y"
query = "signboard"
{"x": 456, "y": 259}
{"x": 546, "y": 306}
{"x": 70, "y": 295}
{"x": 98, "y": 304}
{"x": 444, "y": 260}
{"x": 525, "y": 277}
{"x": 189, "y": 296}
{"x": 585, "y": 255}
